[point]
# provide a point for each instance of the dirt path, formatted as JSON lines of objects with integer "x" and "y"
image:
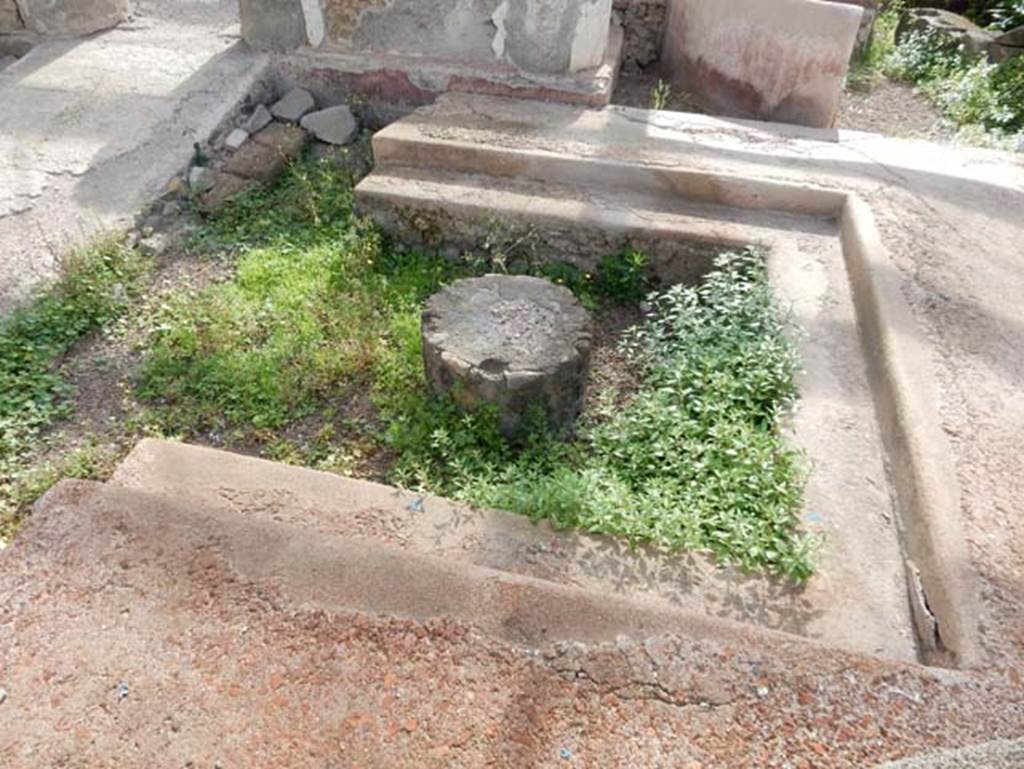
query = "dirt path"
{"x": 892, "y": 109}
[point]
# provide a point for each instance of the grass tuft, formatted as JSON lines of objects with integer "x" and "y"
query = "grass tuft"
{"x": 95, "y": 287}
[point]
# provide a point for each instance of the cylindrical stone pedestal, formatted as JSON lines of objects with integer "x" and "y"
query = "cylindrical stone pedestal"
{"x": 511, "y": 341}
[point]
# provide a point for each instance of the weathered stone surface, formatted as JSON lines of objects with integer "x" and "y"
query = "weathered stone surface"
{"x": 236, "y": 139}
{"x": 289, "y": 140}
{"x": 951, "y": 28}
{"x": 334, "y": 125}
{"x": 256, "y": 161}
{"x": 552, "y": 35}
{"x": 642, "y": 22}
{"x": 10, "y": 19}
{"x": 226, "y": 188}
{"x": 273, "y": 24}
{"x": 778, "y": 60}
{"x": 201, "y": 178}
{"x": 511, "y": 341}
{"x": 71, "y": 17}
{"x": 296, "y": 103}
{"x": 265, "y": 157}
{"x": 258, "y": 120}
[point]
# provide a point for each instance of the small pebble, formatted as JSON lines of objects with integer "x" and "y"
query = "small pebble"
{"x": 3, "y": 696}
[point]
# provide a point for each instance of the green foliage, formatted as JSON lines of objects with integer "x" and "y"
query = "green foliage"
{"x": 694, "y": 461}
{"x": 298, "y": 325}
{"x": 969, "y": 91}
{"x": 620, "y": 278}
{"x": 999, "y": 14}
{"x": 94, "y": 288}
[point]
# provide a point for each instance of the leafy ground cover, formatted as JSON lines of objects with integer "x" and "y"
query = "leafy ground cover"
{"x": 308, "y": 350}
{"x": 96, "y": 287}
{"x": 983, "y": 100}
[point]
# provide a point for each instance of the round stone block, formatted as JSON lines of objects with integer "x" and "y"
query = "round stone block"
{"x": 512, "y": 341}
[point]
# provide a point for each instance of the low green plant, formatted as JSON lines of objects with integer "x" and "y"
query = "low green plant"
{"x": 883, "y": 40}
{"x": 94, "y": 287}
{"x": 694, "y": 461}
{"x": 660, "y": 95}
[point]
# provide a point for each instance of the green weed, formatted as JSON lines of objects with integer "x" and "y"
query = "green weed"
{"x": 695, "y": 461}
{"x": 95, "y": 287}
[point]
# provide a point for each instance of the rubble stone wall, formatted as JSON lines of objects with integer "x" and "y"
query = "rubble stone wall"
{"x": 643, "y": 22}
{"x": 61, "y": 18}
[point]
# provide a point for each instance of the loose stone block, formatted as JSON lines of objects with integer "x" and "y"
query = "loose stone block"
{"x": 296, "y": 103}
{"x": 201, "y": 179}
{"x": 273, "y": 24}
{"x": 511, "y": 341}
{"x": 227, "y": 188}
{"x": 258, "y": 120}
{"x": 334, "y": 125}
{"x": 266, "y": 156}
{"x": 81, "y": 17}
{"x": 10, "y": 19}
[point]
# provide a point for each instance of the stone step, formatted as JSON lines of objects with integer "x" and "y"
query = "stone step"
{"x": 456, "y": 212}
{"x": 331, "y": 505}
{"x": 183, "y": 540}
{"x": 612, "y": 149}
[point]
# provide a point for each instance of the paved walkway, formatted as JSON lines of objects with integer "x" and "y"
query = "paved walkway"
{"x": 91, "y": 130}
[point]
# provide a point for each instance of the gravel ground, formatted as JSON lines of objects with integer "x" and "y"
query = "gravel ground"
{"x": 105, "y": 661}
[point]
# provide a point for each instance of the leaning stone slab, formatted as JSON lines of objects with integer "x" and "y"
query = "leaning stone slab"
{"x": 515, "y": 342}
{"x": 266, "y": 156}
{"x": 201, "y": 179}
{"x": 296, "y": 103}
{"x": 777, "y": 60}
{"x": 10, "y": 18}
{"x": 1012, "y": 39}
{"x": 334, "y": 125}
